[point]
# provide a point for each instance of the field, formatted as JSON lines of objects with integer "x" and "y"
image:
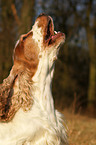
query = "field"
{"x": 81, "y": 129}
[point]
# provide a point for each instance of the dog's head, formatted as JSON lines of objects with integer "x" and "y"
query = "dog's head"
{"x": 34, "y": 54}
{"x": 44, "y": 34}
{"x": 40, "y": 40}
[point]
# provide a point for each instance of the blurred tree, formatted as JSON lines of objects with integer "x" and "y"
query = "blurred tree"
{"x": 90, "y": 27}
{"x": 26, "y": 16}
{"x": 15, "y": 19}
{"x": 6, "y": 37}
{"x": 91, "y": 34}
{"x": 73, "y": 17}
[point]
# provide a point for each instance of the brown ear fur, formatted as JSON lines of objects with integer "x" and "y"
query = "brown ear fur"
{"x": 13, "y": 96}
{"x": 25, "y": 65}
{"x": 6, "y": 92}
{"x": 10, "y": 101}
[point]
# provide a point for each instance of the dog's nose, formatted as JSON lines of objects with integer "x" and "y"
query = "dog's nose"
{"x": 42, "y": 14}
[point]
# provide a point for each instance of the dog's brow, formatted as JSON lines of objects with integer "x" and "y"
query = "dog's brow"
{"x": 27, "y": 35}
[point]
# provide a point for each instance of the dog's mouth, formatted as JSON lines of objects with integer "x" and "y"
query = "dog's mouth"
{"x": 51, "y": 36}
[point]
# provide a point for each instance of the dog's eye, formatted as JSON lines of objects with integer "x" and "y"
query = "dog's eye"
{"x": 24, "y": 38}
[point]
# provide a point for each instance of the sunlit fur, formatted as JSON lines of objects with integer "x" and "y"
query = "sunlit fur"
{"x": 42, "y": 124}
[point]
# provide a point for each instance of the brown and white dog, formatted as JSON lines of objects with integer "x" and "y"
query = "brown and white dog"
{"x": 27, "y": 114}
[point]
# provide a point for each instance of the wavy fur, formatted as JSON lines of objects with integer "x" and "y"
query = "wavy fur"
{"x": 27, "y": 113}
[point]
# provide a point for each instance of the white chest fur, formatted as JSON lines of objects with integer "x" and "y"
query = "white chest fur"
{"x": 42, "y": 125}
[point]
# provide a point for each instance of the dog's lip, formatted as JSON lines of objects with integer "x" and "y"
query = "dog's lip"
{"x": 52, "y": 35}
{"x": 49, "y": 29}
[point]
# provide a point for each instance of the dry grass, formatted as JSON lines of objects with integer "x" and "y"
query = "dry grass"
{"x": 81, "y": 129}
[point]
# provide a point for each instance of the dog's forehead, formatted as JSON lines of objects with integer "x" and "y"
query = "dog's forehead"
{"x": 39, "y": 29}
{"x": 37, "y": 33}
{"x": 42, "y": 20}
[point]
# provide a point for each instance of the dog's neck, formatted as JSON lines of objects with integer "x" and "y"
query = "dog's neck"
{"x": 42, "y": 85}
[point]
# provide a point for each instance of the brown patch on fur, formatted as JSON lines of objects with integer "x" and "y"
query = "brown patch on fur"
{"x": 15, "y": 91}
{"x": 26, "y": 54}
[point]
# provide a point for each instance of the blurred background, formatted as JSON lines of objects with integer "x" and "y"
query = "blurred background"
{"x": 74, "y": 83}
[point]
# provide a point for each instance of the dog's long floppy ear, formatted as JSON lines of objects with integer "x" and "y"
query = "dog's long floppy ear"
{"x": 25, "y": 65}
{"x": 6, "y": 91}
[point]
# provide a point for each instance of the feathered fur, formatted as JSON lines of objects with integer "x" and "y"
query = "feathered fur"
{"x": 27, "y": 113}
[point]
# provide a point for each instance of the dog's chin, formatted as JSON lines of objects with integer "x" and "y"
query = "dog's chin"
{"x": 56, "y": 40}
{"x": 51, "y": 37}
